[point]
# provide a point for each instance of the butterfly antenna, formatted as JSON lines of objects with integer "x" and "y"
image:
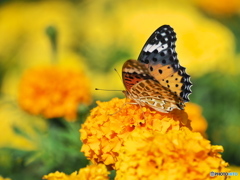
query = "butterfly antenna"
{"x": 108, "y": 89}
{"x": 141, "y": 110}
{"x": 118, "y": 73}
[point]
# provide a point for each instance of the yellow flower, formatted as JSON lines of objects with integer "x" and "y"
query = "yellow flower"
{"x": 110, "y": 123}
{"x": 53, "y": 92}
{"x": 198, "y": 122}
{"x": 94, "y": 172}
{"x": 220, "y": 7}
{"x": 91, "y": 172}
{"x": 18, "y": 36}
{"x": 178, "y": 154}
{"x": 11, "y": 117}
{"x": 1, "y": 178}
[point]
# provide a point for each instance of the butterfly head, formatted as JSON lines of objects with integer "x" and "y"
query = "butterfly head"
{"x": 126, "y": 94}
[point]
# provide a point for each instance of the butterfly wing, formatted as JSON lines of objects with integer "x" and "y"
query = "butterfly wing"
{"x": 145, "y": 90}
{"x": 133, "y": 72}
{"x": 156, "y": 96}
{"x": 160, "y": 58}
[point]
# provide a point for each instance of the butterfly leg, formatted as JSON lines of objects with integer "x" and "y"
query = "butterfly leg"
{"x": 124, "y": 104}
{"x": 142, "y": 111}
{"x": 140, "y": 108}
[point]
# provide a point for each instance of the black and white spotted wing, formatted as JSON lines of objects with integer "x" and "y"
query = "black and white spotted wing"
{"x": 160, "y": 57}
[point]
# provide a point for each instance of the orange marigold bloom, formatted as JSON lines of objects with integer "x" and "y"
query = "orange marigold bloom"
{"x": 91, "y": 172}
{"x": 53, "y": 92}
{"x": 219, "y": 7}
{"x": 102, "y": 134}
{"x": 198, "y": 122}
{"x": 178, "y": 154}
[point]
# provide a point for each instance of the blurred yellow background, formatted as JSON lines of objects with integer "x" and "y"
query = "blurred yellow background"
{"x": 92, "y": 38}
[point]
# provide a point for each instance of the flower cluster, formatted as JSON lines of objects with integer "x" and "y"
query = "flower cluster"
{"x": 178, "y": 154}
{"x": 143, "y": 143}
{"x": 98, "y": 172}
{"x": 53, "y": 92}
{"x": 111, "y": 122}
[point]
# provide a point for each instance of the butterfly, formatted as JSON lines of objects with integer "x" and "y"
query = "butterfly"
{"x": 157, "y": 79}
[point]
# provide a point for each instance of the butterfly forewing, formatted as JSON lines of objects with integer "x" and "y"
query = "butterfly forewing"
{"x": 160, "y": 58}
{"x": 134, "y": 72}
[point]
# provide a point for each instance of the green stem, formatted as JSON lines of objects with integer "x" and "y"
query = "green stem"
{"x": 52, "y": 34}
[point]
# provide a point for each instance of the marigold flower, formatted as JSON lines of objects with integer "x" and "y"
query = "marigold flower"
{"x": 1, "y": 178}
{"x": 53, "y": 92}
{"x": 178, "y": 154}
{"x": 198, "y": 122}
{"x": 220, "y": 7}
{"x": 90, "y": 172}
{"x": 110, "y": 123}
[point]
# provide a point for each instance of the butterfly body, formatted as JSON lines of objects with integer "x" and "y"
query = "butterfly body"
{"x": 157, "y": 79}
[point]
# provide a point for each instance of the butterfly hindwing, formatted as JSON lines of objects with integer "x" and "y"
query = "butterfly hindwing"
{"x": 160, "y": 58}
{"x": 157, "y": 96}
{"x": 145, "y": 90}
